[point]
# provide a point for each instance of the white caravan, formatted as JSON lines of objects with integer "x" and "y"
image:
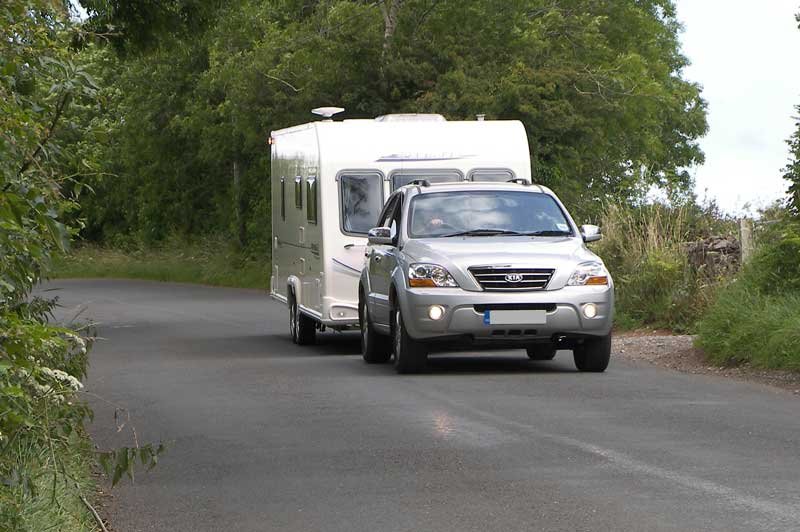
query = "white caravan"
{"x": 330, "y": 180}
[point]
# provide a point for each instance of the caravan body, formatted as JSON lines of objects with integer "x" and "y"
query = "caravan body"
{"x": 330, "y": 179}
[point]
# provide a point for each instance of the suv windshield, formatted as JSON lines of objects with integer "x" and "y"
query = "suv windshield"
{"x": 486, "y": 213}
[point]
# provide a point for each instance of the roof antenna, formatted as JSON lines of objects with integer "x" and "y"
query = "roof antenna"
{"x": 327, "y": 112}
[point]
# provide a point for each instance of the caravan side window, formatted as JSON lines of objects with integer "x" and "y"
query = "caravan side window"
{"x": 311, "y": 199}
{"x": 361, "y": 201}
{"x": 283, "y": 198}
{"x": 402, "y": 178}
{"x": 298, "y": 192}
{"x": 499, "y": 175}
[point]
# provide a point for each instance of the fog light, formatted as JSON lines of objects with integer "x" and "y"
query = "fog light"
{"x": 435, "y": 312}
{"x": 590, "y": 310}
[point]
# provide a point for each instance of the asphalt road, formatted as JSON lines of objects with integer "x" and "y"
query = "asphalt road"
{"x": 266, "y": 435}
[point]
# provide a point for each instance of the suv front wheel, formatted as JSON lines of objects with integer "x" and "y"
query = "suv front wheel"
{"x": 593, "y": 354}
{"x": 410, "y": 356}
{"x": 375, "y": 348}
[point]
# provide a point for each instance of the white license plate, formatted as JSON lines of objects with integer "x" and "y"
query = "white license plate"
{"x": 514, "y": 317}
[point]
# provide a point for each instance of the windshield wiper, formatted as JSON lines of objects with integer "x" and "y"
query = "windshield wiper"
{"x": 549, "y": 233}
{"x": 484, "y": 232}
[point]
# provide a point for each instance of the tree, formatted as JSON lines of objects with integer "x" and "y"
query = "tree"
{"x": 598, "y": 86}
{"x": 792, "y": 170}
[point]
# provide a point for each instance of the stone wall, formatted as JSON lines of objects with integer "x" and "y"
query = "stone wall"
{"x": 717, "y": 256}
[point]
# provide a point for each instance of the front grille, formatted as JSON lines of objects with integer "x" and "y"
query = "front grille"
{"x": 497, "y": 278}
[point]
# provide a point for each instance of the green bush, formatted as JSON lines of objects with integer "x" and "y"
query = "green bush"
{"x": 756, "y": 319}
{"x": 775, "y": 269}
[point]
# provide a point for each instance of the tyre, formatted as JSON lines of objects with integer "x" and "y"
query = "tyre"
{"x": 541, "y": 352}
{"x": 303, "y": 328}
{"x": 410, "y": 356}
{"x": 593, "y": 354}
{"x": 375, "y": 348}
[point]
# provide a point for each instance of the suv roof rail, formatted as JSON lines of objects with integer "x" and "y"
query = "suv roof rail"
{"x": 519, "y": 181}
{"x": 420, "y": 183}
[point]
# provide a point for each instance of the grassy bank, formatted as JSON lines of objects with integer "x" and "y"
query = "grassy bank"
{"x": 756, "y": 318}
{"x": 58, "y": 478}
{"x": 205, "y": 263}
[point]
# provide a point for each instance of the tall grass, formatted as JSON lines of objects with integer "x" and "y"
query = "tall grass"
{"x": 645, "y": 250}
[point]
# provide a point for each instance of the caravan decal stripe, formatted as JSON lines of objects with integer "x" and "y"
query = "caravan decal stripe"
{"x": 340, "y": 263}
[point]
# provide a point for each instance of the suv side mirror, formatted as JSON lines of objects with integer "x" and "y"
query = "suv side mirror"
{"x": 379, "y": 236}
{"x": 591, "y": 233}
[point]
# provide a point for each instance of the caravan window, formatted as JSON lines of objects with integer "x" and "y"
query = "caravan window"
{"x": 298, "y": 192}
{"x": 501, "y": 176}
{"x": 362, "y": 200}
{"x": 400, "y": 179}
{"x": 283, "y": 198}
{"x": 311, "y": 199}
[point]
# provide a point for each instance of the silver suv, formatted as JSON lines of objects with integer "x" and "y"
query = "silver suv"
{"x": 497, "y": 265}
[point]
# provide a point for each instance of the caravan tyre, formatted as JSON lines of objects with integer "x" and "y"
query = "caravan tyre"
{"x": 303, "y": 328}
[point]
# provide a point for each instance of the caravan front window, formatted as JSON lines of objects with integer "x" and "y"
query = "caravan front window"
{"x": 400, "y": 179}
{"x": 500, "y": 176}
{"x": 362, "y": 200}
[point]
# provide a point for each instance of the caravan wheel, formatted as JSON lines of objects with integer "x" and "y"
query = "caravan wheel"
{"x": 303, "y": 328}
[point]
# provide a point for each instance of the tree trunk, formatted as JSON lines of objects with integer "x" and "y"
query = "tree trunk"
{"x": 389, "y": 8}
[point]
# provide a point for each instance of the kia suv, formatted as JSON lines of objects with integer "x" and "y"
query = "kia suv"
{"x": 490, "y": 265}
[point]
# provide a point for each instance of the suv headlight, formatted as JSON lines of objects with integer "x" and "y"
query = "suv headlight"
{"x": 589, "y": 273}
{"x": 429, "y": 276}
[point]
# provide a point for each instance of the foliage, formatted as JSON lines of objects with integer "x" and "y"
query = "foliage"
{"x": 644, "y": 247}
{"x": 598, "y": 86}
{"x": 211, "y": 261}
{"x": 792, "y": 171}
{"x": 44, "y": 452}
{"x": 747, "y": 325}
{"x": 756, "y": 318}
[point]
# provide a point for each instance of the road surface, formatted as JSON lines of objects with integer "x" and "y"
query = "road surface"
{"x": 264, "y": 435}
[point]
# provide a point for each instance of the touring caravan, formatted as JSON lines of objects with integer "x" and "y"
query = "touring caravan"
{"x": 329, "y": 181}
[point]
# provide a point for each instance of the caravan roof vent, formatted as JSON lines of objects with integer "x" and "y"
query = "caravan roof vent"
{"x": 411, "y": 117}
{"x": 327, "y": 112}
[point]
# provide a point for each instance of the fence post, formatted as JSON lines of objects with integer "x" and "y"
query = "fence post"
{"x": 746, "y": 238}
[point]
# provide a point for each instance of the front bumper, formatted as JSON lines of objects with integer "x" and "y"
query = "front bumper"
{"x": 462, "y": 319}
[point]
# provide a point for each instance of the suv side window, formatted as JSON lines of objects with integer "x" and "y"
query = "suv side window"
{"x": 391, "y": 214}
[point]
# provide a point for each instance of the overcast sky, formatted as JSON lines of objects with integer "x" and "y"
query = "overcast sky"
{"x": 746, "y": 55}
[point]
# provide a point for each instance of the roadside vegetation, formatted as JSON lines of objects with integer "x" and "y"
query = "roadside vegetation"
{"x": 756, "y": 317}
{"x": 211, "y": 261}
{"x": 646, "y": 249}
{"x": 46, "y": 457}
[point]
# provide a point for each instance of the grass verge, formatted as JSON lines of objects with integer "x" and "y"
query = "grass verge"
{"x": 49, "y": 498}
{"x": 203, "y": 264}
{"x": 748, "y": 326}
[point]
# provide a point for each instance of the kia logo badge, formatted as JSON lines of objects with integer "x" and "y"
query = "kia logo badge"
{"x": 514, "y": 278}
